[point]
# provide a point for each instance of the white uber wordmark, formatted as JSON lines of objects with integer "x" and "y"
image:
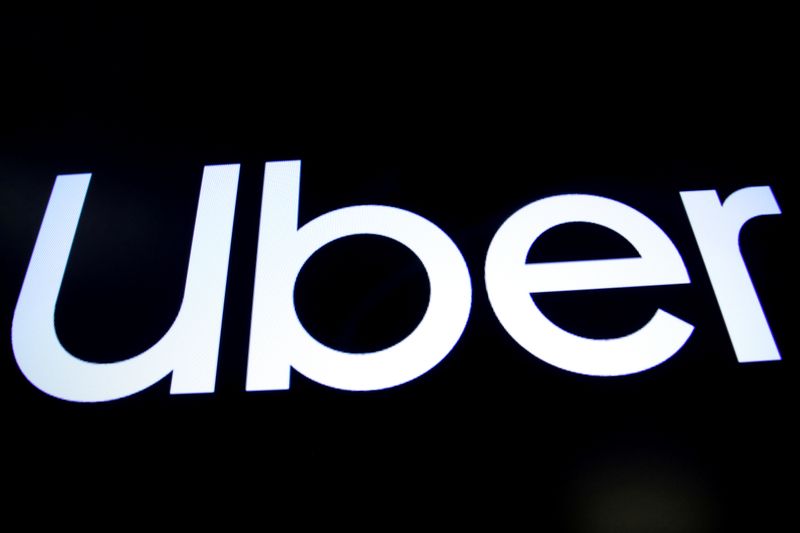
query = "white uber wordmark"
{"x": 279, "y": 342}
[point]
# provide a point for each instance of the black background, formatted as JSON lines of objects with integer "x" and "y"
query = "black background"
{"x": 462, "y": 118}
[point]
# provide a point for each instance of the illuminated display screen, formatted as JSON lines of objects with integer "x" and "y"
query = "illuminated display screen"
{"x": 389, "y": 302}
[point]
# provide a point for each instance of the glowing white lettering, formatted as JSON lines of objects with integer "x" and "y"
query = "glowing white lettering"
{"x": 510, "y": 282}
{"x": 279, "y": 342}
{"x": 716, "y": 227}
{"x": 188, "y": 350}
{"x": 278, "y": 339}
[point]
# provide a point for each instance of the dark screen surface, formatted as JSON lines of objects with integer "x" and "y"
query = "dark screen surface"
{"x": 463, "y": 129}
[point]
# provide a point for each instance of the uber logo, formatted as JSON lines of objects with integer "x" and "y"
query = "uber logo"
{"x": 279, "y": 342}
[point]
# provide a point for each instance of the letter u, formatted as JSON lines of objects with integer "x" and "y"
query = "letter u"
{"x": 189, "y": 350}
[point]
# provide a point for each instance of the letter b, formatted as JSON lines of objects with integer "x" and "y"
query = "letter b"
{"x": 278, "y": 341}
